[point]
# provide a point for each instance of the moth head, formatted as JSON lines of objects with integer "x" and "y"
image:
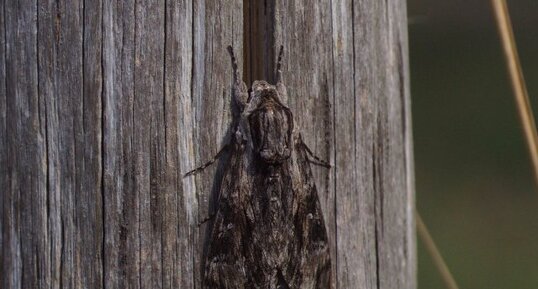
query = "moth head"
{"x": 271, "y": 124}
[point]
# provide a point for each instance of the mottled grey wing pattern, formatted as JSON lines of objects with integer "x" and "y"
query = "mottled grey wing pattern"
{"x": 269, "y": 230}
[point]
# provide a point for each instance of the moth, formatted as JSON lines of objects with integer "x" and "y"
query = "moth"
{"x": 268, "y": 230}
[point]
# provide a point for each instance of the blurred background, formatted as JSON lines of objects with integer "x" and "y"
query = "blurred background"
{"x": 473, "y": 176}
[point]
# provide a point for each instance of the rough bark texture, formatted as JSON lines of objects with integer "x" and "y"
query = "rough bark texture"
{"x": 104, "y": 105}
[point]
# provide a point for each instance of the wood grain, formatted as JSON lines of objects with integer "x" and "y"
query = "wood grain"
{"x": 24, "y": 235}
{"x": 104, "y": 105}
{"x": 3, "y": 153}
{"x": 121, "y": 201}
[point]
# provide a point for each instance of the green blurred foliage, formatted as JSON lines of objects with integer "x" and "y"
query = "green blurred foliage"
{"x": 474, "y": 180}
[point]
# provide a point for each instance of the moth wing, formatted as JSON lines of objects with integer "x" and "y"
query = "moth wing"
{"x": 224, "y": 263}
{"x": 224, "y": 266}
{"x": 315, "y": 265}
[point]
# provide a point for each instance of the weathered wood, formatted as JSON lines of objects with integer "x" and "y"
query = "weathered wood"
{"x": 3, "y": 148}
{"x": 104, "y": 105}
{"x": 24, "y": 219}
{"x": 217, "y": 24}
{"x": 120, "y": 190}
{"x": 346, "y": 68}
{"x": 180, "y": 149}
{"x": 374, "y": 191}
{"x": 379, "y": 142}
{"x": 69, "y": 51}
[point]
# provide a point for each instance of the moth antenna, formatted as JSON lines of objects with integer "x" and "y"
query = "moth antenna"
{"x": 237, "y": 75}
{"x": 279, "y": 64}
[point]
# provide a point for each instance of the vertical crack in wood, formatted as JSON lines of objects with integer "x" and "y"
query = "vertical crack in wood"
{"x": 246, "y": 40}
{"x": 354, "y": 91}
{"x": 62, "y": 252}
{"x": 102, "y": 151}
{"x": 47, "y": 159}
{"x": 268, "y": 45}
{"x": 163, "y": 174}
{"x": 376, "y": 201}
{"x": 3, "y": 149}
{"x": 34, "y": 245}
{"x": 136, "y": 186}
{"x": 164, "y": 77}
{"x": 334, "y": 152}
{"x": 193, "y": 65}
{"x": 259, "y": 40}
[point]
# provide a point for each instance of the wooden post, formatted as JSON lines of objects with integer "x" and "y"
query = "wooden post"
{"x": 104, "y": 105}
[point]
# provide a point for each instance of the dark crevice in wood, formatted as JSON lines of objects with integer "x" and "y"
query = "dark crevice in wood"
{"x": 259, "y": 40}
{"x": 354, "y": 92}
{"x": 138, "y": 221}
{"x": 62, "y": 252}
{"x": 376, "y": 179}
{"x": 103, "y": 155}
{"x": 377, "y": 269}
{"x": 83, "y": 77}
{"x": 377, "y": 253}
{"x": 353, "y": 53}
{"x": 4, "y": 171}
{"x": 37, "y": 267}
{"x": 5, "y": 117}
{"x": 193, "y": 46}
{"x": 334, "y": 145}
{"x": 58, "y": 21}
{"x": 164, "y": 75}
{"x": 270, "y": 47}
{"x": 247, "y": 28}
{"x": 37, "y": 69}
{"x": 379, "y": 180}
{"x": 80, "y": 159}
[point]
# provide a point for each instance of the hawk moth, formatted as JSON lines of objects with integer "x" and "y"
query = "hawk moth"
{"x": 268, "y": 230}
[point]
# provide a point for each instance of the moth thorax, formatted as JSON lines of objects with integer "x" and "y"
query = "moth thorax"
{"x": 271, "y": 126}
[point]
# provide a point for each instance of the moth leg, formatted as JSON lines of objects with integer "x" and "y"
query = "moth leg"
{"x": 210, "y": 217}
{"x": 320, "y": 163}
{"x": 207, "y": 164}
{"x": 316, "y": 160}
{"x": 239, "y": 88}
